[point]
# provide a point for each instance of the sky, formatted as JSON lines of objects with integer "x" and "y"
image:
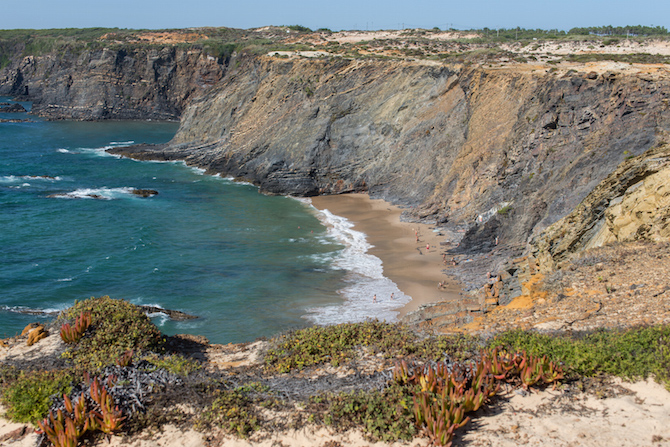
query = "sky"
{"x": 333, "y": 14}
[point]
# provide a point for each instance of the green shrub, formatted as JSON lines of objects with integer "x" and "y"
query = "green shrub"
{"x": 383, "y": 415}
{"x": 117, "y": 326}
{"x": 299, "y": 28}
{"x": 29, "y": 395}
{"x": 174, "y": 363}
{"x": 505, "y": 210}
{"x": 336, "y": 344}
{"x": 630, "y": 354}
{"x": 456, "y": 347}
{"x": 232, "y": 410}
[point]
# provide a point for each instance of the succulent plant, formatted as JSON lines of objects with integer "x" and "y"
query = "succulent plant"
{"x": 445, "y": 392}
{"x": 72, "y": 334}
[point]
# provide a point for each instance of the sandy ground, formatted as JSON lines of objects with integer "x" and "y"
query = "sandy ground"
{"x": 638, "y": 416}
{"x": 362, "y": 36}
{"x": 415, "y": 270}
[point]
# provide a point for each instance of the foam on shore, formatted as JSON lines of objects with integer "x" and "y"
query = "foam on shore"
{"x": 364, "y": 278}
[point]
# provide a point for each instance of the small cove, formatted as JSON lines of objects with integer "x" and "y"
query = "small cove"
{"x": 248, "y": 265}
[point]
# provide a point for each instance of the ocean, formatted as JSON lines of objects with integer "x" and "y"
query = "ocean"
{"x": 246, "y": 264}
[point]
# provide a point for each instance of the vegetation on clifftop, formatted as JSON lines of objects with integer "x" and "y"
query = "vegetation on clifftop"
{"x": 121, "y": 352}
{"x": 222, "y": 42}
{"x": 116, "y": 327}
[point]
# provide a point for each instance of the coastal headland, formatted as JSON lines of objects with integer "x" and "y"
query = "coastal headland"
{"x": 540, "y": 167}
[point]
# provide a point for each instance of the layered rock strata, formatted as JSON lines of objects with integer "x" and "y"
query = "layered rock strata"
{"x": 631, "y": 204}
{"x": 498, "y": 153}
{"x": 122, "y": 83}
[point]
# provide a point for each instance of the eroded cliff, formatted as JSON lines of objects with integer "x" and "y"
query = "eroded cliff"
{"x": 119, "y": 83}
{"x": 494, "y": 153}
{"x": 631, "y": 204}
{"x": 499, "y": 154}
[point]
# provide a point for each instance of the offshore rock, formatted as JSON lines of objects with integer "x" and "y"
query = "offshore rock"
{"x": 175, "y": 315}
{"x": 144, "y": 192}
{"x": 12, "y": 108}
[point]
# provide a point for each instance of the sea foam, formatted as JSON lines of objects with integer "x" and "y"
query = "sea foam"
{"x": 96, "y": 193}
{"x": 364, "y": 277}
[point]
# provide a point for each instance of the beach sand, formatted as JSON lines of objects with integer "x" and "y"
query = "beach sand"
{"x": 415, "y": 270}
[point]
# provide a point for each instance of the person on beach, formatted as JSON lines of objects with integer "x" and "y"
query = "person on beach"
{"x": 392, "y": 296}
{"x": 374, "y": 298}
{"x": 427, "y": 247}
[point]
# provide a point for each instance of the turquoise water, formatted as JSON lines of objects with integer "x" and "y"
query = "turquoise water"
{"x": 246, "y": 264}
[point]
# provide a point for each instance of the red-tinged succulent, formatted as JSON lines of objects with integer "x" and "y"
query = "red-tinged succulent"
{"x": 446, "y": 392}
{"x": 109, "y": 418}
{"x": 59, "y": 432}
{"x": 125, "y": 359}
{"x": 72, "y": 334}
{"x": 65, "y": 428}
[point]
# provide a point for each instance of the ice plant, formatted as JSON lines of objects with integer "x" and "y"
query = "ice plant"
{"x": 445, "y": 392}
{"x": 72, "y": 334}
{"x": 65, "y": 428}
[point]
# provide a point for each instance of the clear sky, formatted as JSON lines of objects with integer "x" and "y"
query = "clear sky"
{"x": 333, "y": 14}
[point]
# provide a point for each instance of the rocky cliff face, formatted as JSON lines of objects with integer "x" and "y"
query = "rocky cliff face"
{"x": 131, "y": 83}
{"x": 495, "y": 153}
{"x": 631, "y": 204}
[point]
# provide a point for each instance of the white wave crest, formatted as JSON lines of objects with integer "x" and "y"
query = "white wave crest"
{"x": 23, "y": 178}
{"x": 96, "y": 193}
{"x": 368, "y": 293}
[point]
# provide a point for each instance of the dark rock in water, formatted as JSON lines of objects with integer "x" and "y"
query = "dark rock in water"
{"x": 172, "y": 314}
{"x": 15, "y": 121}
{"x": 144, "y": 192}
{"x": 12, "y": 108}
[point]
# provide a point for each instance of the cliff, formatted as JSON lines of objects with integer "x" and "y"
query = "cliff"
{"x": 129, "y": 82}
{"x": 495, "y": 153}
{"x": 492, "y": 150}
{"x": 631, "y": 204}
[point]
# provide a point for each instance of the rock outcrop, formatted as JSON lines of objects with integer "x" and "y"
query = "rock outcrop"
{"x": 112, "y": 83}
{"x": 7, "y": 107}
{"x": 631, "y": 204}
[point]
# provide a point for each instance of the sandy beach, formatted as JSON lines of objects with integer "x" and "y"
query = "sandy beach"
{"x": 414, "y": 269}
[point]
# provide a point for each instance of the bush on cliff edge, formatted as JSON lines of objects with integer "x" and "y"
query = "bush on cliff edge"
{"x": 116, "y": 327}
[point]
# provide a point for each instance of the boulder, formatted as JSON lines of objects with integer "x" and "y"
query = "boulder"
{"x": 144, "y": 192}
{"x": 36, "y": 335}
{"x": 12, "y": 108}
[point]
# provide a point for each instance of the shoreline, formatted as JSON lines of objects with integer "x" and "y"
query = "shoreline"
{"x": 406, "y": 262}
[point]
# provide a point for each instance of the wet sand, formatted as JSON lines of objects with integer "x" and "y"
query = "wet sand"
{"x": 415, "y": 270}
